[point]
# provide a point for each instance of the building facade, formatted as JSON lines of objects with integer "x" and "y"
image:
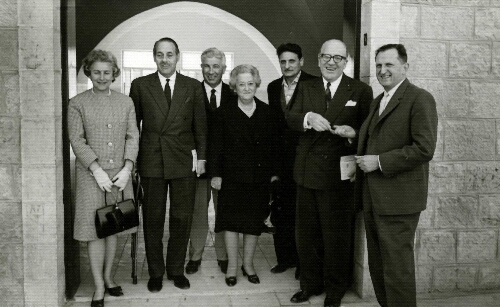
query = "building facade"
{"x": 454, "y": 52}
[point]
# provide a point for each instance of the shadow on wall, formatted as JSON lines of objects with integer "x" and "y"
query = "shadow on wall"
{"x": 195, "y": 27}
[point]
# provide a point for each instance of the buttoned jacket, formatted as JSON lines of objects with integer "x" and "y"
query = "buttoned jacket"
{"x": 103, "y": 129}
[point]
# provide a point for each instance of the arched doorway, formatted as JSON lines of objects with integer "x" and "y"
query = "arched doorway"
{"x": 251, "y": 33}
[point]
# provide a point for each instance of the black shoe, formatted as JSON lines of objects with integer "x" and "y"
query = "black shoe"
{"x": 329, "y": 302}
{"x": 98, "y": 303}
{"x": 180, "y": 281}
{"x": 223, "y": 265}
{"x": 155, "y": 284}
{"x": 303, "y": 296}
{"x": 231, "y": 281}
{"x": 254, "y": 279}
{"x": 280, "y": 268}
{"x": 115, "y": 291}
{"x": 192, "y": 266}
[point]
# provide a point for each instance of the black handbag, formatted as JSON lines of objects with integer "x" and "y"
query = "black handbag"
{"x": 112, "y": 219}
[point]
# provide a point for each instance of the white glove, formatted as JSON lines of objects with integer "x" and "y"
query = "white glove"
{"x": 102, "y": 179}
{"x": 121, "y": 179}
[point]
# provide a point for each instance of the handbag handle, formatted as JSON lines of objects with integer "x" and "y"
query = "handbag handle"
{"x": 115, "y": 197}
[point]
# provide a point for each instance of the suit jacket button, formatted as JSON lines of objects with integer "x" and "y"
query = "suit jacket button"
{"x": 110, "y": 144}
{"x": 110, "y": 126}
{"x": 111, "y": 161}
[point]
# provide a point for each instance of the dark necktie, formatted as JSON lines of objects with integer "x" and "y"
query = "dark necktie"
{"x": 328, "y": 94}
{"x": 168, "y": 93}
{"x": 213, "y": 101}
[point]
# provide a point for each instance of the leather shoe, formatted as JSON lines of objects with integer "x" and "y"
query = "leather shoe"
{"x": 115, "y": 291}
{"x": 231, "y": 281}
{"x": 98, "y": 303}
{"x": 254, "y": 279}
{"x": 155, "y": 284}
{"x": 329, "y": 302}
{"x": 304, "y": 295}
{"x": 223, "y": 265}
{"x": 192, "y": 266}
{"x": 280, "y": 268}
{"x": 180, "y": 281}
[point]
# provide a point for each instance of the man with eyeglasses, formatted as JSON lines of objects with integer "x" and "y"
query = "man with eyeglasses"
{"x": 328, "y": 111}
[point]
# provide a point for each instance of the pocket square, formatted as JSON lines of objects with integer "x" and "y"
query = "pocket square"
{"x": 351, "y": 103}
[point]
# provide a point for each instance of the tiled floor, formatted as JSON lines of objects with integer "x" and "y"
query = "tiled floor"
{"x": 208, "y": 288}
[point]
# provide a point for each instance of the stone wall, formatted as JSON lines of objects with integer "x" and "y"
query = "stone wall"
{"x": 454, "y": 52}
{"x": 11, "y": 234}
{"x": 31, "y": 208}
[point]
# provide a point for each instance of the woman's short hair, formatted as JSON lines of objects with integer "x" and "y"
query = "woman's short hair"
{"x": 98, "y": 55}
{"x": 241, "y": 69}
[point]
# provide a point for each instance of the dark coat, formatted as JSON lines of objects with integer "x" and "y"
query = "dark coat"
{"x": 289, "y": 137}
{"x": 169, "y": 135}
{"x": 238, "y": 154}
{"x": 317, "y": 164}
{"x": 404, "y": 137}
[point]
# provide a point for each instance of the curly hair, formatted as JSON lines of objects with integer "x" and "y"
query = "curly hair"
{"x": 241, "y": 69}
{"x": 98, "y": 55}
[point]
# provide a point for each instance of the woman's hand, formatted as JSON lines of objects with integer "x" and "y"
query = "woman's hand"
{"x": 216, "y": 183}
{"x": 102, "y": 179}
{"x": 121, "y": 179}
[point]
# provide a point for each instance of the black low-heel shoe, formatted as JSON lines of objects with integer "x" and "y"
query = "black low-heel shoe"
{"x": 231, "y": 281}
{"x": 115, "y": 291}
{"x": 254, "y": 279}
{"x": 98, "y": 303}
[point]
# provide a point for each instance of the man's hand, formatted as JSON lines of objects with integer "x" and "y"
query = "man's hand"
{"x": 200, "y": 169}
{"x": 102, "y": 179}
{"x": 121, "y": 179}
{"x": 344, "y": 131}
{"x": 318, "y": 122}
{"x": 216, "y": 183}
{"x": 352, "y": 175}
{"x": 368, "y": 163}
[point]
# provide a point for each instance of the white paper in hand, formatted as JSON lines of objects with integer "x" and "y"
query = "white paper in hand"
{"x": 347, "y": 166}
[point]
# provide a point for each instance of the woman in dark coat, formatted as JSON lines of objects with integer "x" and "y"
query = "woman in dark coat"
{"x": 243, "y": 157}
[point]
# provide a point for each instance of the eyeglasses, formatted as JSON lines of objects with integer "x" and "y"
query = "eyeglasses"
{"x": 327, "y": 57}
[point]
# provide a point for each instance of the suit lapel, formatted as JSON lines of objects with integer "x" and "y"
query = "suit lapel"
{"x": 178, "y": 100}
{"x": 318, "y": 99}
{"x": 339, "y": 100}
{"x": 395, "y": 100}
{"x": 156, "y": 90}
{"x": 363, "y": 131}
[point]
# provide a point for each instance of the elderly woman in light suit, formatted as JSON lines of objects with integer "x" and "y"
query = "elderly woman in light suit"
{"x": 104, "y": 137}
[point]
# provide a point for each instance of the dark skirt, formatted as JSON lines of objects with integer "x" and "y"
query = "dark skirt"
{"x": 242, "y": 208}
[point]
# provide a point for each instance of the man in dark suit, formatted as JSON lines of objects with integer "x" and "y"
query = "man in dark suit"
{"x": 328, "y": 111}
{"x": 396, "y": 143}
{"x": 217, "y": 93}
{"x": 172, "y": 151}
{"x": 281, "y": 94}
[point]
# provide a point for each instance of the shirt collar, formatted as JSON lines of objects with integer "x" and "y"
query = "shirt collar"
{"x": 172, "y": 77}
{"x": 217, "y": 89}
{"x": 391, "y": 92}
{"x": 335, "y": 83}
{"x": 296, "y": 80}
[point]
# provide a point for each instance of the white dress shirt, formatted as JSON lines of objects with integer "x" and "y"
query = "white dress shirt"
{"x": 218, "y": 92}
{"x": 333, "y": 88}
{"x": 171, "y": 83}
